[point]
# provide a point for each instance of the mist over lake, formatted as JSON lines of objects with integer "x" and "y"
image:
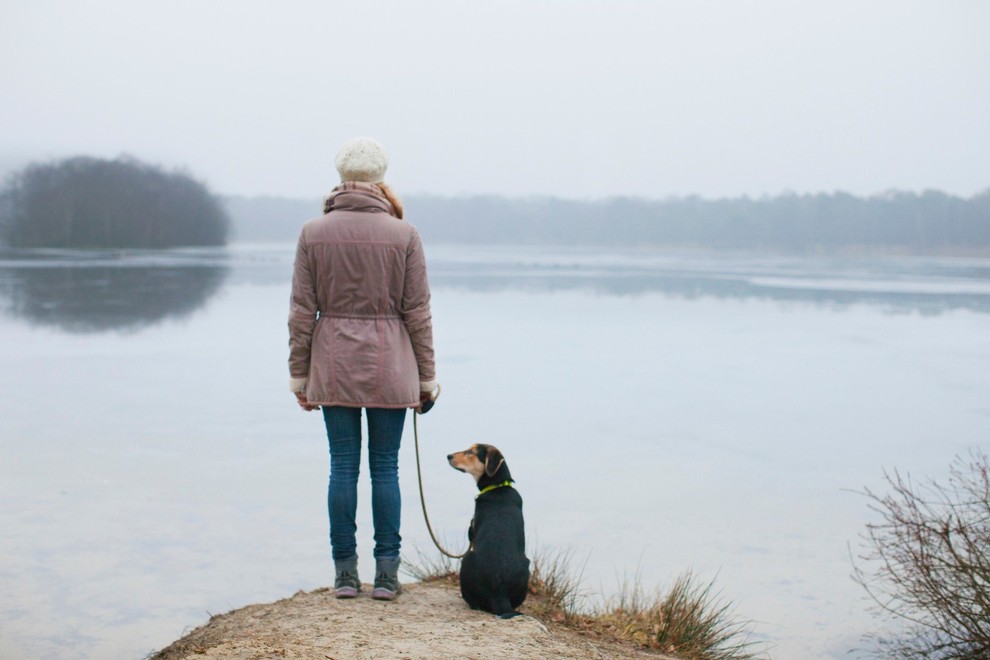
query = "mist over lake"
{"x": 744, "y": 270}
{"x": 661, "y": 410}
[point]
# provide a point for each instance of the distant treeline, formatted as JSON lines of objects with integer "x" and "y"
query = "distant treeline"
{"x": 930, "y": 222}
{"x": 93, "y": 203}
{"x": 264, "y": 219}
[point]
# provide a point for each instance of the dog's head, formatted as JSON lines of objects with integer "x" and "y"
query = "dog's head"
{"x": 481, "y": 462}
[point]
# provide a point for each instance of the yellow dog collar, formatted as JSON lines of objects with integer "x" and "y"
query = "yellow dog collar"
{"x": 487, "y": 489}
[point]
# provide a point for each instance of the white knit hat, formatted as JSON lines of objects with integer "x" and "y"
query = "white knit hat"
{"x": 362, "y": 159}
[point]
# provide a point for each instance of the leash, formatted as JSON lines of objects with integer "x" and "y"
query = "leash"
{"x": 422, "y": 498}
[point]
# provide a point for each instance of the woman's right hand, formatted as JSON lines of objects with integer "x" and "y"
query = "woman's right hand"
{"x": 304, "y": 402}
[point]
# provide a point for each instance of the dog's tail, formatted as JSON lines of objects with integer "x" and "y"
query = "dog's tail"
{"x": 510, "y": 615}
{"x": 502, "y": 607}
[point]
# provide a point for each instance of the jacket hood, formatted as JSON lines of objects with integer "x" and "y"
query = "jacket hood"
{"x": 357, "y": 196}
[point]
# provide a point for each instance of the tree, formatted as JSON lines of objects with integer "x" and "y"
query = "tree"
{"x": 930, "y": 559}
{"x": 87, "y": 202}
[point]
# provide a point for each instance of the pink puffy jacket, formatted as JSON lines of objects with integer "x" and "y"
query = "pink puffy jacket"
{"x": 360, "y": 327}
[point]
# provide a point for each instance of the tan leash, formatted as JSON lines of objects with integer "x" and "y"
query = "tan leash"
{"x": 422, "y": 498}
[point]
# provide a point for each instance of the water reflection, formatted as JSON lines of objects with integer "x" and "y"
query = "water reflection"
{"x": 95, "y": 291}
{"x": 910, "y": 284}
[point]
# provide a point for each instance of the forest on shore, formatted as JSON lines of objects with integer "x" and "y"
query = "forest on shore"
{"x": 86, "y": 202}
{"x": 931, "y": 222}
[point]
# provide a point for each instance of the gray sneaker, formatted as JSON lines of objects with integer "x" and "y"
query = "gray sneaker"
{"x": 347, "y": 584}
{"x": 387, "y": 585}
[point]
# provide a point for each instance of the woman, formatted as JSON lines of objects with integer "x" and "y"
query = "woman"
{"x": 361, "y": 336}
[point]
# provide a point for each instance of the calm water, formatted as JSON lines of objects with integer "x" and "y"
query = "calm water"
{"x": 661, "y": 411}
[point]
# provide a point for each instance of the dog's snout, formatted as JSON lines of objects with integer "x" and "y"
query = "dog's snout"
{"x": 450, "y": 457}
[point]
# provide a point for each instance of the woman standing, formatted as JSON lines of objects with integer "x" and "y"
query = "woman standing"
{"x": 361, "y": 337}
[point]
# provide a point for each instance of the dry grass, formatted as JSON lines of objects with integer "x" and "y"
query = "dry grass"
{"x": 554, "y": 588}
{"x": 433, "y": 567}
{"x": 689, "y": 621}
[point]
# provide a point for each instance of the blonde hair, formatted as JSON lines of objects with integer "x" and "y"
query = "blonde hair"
{"x": 392, "y": 198}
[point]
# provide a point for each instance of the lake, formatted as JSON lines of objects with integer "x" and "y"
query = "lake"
{"x": 661, "y": 411}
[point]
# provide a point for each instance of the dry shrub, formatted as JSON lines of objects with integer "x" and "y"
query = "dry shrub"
{"x": 927, "y": 563}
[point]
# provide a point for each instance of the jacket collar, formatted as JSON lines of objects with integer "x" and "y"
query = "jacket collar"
{"x": 357, "y": 196}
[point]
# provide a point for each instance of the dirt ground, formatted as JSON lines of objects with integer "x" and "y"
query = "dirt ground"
{"x": 426, "y": 621}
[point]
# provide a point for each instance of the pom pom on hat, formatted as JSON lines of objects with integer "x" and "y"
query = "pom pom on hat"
{"x": 362, "y": 159}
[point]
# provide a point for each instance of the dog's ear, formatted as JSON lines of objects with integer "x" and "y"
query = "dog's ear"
{"x": 493, "y": 461}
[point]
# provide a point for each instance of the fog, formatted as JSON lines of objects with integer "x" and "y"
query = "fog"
{"x": 578, "y": 100}
{"x": 168, "y": 471}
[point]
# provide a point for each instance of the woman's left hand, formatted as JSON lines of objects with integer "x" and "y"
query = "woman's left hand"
{"x": 304, "y": 402}
{"x": 427, "y": 399}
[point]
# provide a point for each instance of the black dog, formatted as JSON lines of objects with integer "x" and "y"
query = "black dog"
{"x": 495, "y": 570}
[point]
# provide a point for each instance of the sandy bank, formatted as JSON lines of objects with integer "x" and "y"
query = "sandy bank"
{"x": 427, "y": 621}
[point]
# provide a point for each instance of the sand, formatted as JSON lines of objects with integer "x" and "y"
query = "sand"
{"x": 428, "y": 620}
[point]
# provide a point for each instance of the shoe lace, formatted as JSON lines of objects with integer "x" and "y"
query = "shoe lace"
{"x": 383, "y": 577}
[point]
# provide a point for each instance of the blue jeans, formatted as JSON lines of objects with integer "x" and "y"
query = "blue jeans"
{"x": 384, "y": 438}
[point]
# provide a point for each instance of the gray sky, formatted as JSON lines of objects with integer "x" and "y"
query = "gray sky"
{"x": 573, "y": 99}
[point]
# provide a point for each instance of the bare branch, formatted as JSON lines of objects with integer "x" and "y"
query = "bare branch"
{"x": 925, "y": 564}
